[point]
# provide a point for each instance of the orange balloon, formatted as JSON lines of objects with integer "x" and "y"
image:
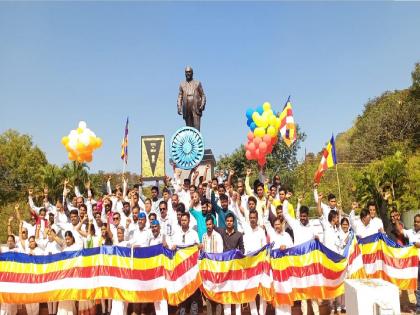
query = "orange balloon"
{"x": 89, "y": 157}
{"x": 72, "y": 156}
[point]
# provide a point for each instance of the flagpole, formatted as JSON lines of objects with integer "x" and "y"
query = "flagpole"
{"x": 338, "y": 183}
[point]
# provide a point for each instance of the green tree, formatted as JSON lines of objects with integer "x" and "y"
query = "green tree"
{"x": 76, "y": 173}
{"x": 20, "y": 165}
{"x": 53, "y": 179}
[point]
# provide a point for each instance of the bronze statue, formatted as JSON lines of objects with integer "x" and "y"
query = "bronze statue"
{"x": 191, "y": 100}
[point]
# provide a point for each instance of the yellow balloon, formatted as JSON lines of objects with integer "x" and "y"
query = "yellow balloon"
{"x": 98, "y": 142}
{"x": 266, "y": 106}
{"x": 79, "y": 146}
{"x": 65, "y": 140}
{"x": 271, "y": 131}
{"x": 79, "y": 130}
{"x": 259, "y": 132}
{"x": 272, "y": 120}
{"x": 278, "y": 123}
{"x": 264, "y": 122}
{"x": 255, "y": 116}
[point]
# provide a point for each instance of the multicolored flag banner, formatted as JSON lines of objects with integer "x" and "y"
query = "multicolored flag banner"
{"x": 233, "y": 278}
{"x": 143, "y": 275}
{"x": 328, "y": 160}
{"x": 287, "y": 124}
{"x": 124, "y": 144}
{"x": 384, "y": 259}
{"x": 307, "y": 271}
{"x": 150, "y": 274}
{"x": 355, "y": 269}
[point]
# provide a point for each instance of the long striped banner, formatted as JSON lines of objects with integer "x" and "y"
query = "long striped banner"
{"x": 384, "y": 259}
{"x": 142, "y": 275}
{"x": 307, "y": 271}
{"x": 233, "y": 278}
{"x": 151, "y": 274}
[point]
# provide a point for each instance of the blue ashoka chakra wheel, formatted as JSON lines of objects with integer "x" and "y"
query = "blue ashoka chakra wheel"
{"x": 187, "y": 148}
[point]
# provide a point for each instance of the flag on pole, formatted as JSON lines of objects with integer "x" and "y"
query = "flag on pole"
{"x": 287, "y": 124}
{"x": 124, "y": 144}
{"x": 328, "y": 160}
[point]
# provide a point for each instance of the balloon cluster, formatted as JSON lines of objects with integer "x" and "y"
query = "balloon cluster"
{"x": 264, "y": 125}
{"x": 81, "y": 143}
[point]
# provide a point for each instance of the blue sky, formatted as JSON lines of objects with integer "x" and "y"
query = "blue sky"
{"x": 61, "y": 62}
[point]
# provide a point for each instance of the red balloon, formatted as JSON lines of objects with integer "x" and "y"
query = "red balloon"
{"x": 251, "y": 147}
{"x": 257, "y": 141}
{"x": 263, "y": 147}
{"x": 274, "y": 140}
{"x": 246, "y": 146}
{"x": 267, "y": 139}
{"x": 248, "y": 155}
{"x": 257, "y": 153}
{"x": 262, "y": 161}
{"x": 270, "y": 149}
{"x": 250, "y": 135}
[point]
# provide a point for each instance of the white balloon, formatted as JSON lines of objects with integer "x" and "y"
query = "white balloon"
{"x": 72, "y": 143}
{"x": 84, "y": 138}
{"x": 82, "y": 124}
{"x": 73, "y": 133}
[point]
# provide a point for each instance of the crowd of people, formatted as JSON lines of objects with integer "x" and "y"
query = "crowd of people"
{"x": 217, "y": 215}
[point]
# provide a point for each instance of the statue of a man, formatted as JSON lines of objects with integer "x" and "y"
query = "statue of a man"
{"x": 191, "y": 100}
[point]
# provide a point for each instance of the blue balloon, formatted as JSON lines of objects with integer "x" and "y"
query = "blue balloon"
{"x": 249, "y": 113}
{"x": 253, "y": 126}
{"x": 260, "y": 110}
{"x": 249, "y": 122}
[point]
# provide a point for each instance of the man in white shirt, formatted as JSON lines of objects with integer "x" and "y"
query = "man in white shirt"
{"x": 329, "y": 222}
{"x": 156, "y": 237}
{"x": 363, "y": 228}
{"x": 302, "y": 232}
{"x": 187, "y": 237}
{"x": 326, "y": 208}
{"x": 141, "y": 235}
{"x": 374, "y": 220}
{"x": 281, "y": 240}
{"x": 72, "y": 226}
{"x": 302, "y": 229}
{"x": 166, "y": 222}
{"x": 212, "y": 241}
{"x": 254, "y": 239}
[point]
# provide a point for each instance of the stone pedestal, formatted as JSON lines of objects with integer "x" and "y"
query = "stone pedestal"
{"x": 207, "y": 159}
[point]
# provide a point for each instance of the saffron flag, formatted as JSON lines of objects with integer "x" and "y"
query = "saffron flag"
{"x": 307, "y": 271}
{"x": 234, "y": 278}
{"x": 384, "y": 259}
{"x": 287, "y": 124}
{"x": 124, "y": 144}
{"x": 328, "y": 160}
{"x": 108, "y": 272}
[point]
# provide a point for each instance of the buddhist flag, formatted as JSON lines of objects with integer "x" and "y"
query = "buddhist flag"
{"x": 328, "y": 160}
{"x": 287, "y": 124}
{"x": 124, "y": 144}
